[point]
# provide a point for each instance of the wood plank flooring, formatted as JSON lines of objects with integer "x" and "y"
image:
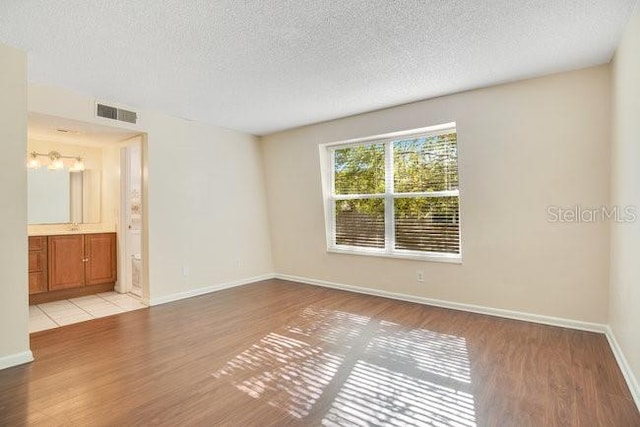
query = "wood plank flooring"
{"x": 278, "y": 353}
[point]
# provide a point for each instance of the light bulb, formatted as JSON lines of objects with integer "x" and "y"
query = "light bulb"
{"x": 33, "y": 162}
{"x": 56, "y": 164}
{"x": 78, "y": 165}
{"x": 56, "y": 161}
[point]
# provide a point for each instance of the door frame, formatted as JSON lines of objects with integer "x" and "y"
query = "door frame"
{"x": 124, "y": 267}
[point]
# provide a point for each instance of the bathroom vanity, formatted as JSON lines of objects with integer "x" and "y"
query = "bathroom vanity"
{"x": 64, "y": 266}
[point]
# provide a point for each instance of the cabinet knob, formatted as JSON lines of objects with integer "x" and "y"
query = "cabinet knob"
{"x": 85, "y": 259}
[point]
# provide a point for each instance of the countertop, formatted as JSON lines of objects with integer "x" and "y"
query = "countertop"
{"x": 65, "y": 232}
{"x": 64, "y": 229}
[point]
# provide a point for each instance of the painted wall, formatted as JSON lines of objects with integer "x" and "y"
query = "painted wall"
{"x": 206, "y": 205}
{"x": 14, "y": 331}
{"x": 111, "y": 185}
{"x": 523, "y": 147}
{"x": 625, "y": 238}
{"x": 206, "y": 208}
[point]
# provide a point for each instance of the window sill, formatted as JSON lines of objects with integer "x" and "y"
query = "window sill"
{"x": 429, "y": 257}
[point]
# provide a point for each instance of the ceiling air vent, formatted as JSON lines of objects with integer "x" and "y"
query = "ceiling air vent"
{"x": 117, "y": 114}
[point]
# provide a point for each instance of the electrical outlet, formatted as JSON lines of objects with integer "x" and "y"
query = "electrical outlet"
{"x": 420, "y": 276}
{"x": 185, "y": 270}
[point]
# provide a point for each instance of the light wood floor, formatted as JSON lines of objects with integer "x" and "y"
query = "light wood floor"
{"x": 279, "y": 353}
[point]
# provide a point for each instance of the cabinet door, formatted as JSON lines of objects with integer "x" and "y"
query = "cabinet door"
{"x": 101, "y": 255}
{"x": 66, "y": 262}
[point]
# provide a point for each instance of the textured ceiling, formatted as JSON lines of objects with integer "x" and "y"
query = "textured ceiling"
{"x": 264, "y": 65}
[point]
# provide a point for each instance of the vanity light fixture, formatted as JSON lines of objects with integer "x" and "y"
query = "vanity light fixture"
{"x": 55, "y": 161}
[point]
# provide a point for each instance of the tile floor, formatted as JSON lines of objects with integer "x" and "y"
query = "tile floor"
{"x": 65, "y": 312}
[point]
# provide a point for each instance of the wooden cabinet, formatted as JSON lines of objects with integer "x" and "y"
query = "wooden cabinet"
{"x": 66, "y": 262}
{"x": 38, "y": 264}
{"x": 70, "y": 265}
{"x": 79, "y": 260}
{"x": 100, "y": 255}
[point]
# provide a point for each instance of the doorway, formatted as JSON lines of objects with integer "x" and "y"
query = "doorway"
{"x": 103, "y": 214}
{"x": 131, "y": 216}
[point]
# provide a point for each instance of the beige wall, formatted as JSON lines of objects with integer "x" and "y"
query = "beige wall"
{"x": 625, "y": 238}
{"x": 206, "y": 206}
{"x": 14, "y": 335}
{"x": 522, "y": 147}
{"x": 110, "y": 202}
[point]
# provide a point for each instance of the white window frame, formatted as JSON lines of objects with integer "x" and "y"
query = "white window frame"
{"x": 327, "y": 159}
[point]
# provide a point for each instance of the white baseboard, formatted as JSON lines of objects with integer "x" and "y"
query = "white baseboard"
{"x": 207, "y": 289}
{"x": 517, "y": 315}
{"x": 16, "y": 359}
{"x": 632, "y": 381}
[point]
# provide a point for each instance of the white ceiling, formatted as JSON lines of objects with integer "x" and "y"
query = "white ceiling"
{"x": 56, "y": 129}
{"x": 265, "y": 65}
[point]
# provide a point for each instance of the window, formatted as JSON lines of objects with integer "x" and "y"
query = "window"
{"x": 394, "y": 195}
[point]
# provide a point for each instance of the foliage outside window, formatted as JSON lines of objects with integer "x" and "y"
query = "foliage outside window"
{"x": 396, "y": 196}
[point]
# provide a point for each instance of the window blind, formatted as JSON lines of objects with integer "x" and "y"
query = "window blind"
{"x": 396, "y": 196}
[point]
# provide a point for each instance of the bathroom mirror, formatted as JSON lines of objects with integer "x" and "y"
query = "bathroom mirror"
{"x": 61, "y": 196}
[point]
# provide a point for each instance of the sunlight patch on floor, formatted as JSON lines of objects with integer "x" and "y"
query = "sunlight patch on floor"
{"x": 437, "y": 353}
{"x": 381, "y": 372}
{"x": 287, "y": 373}
{"x": 373, "y": 395}
{"x": 330, "y": 326}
